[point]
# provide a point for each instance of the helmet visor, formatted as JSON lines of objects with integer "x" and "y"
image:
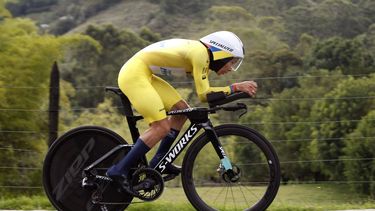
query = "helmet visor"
{"x": 235, "y": 63}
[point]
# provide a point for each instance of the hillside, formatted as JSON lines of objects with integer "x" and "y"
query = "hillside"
{"x": 68, "y": 16}
{"x": 125, "y": 14}
{"x": 290, "y": 18}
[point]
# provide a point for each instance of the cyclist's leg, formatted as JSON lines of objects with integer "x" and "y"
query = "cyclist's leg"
{"x": 135, "y": 82}
{"x": 172, "y": 101}
{"x": 177, "y": 121}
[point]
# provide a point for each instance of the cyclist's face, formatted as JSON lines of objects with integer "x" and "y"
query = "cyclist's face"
{"x": 227, "y": 67}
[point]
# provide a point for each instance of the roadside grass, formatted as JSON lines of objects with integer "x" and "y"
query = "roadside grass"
{"x": 294, "y": 197}
{"x": 319, "y": 197}
{"x": 25, "y": 202}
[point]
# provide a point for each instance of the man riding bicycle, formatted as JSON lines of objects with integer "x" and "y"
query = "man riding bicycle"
{"x": 152, "y": 96}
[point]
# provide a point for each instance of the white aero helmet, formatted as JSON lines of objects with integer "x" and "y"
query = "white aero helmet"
{"x": 223, "y": 45}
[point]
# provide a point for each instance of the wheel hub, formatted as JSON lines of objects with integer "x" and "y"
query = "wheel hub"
{"x": 232, "y": 175}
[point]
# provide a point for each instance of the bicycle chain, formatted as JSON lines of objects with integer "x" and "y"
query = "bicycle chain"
{"x": 103, "y": 182}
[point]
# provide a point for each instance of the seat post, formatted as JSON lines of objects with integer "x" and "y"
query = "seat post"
{"x": 130, "y": 118}
{"x": 132, "y": 121}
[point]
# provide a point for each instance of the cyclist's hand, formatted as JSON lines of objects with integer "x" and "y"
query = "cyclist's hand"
{"x": 250, "y": 87}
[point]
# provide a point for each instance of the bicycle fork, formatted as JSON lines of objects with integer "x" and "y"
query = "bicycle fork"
{"x": 229, "y": 172}
{"x": 211, "y": 134}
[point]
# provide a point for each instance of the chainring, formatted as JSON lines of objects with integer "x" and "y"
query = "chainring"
{"x": 147, "y": 183}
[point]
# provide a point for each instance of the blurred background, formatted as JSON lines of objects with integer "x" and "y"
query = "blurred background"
{"x": 313, "y": 60}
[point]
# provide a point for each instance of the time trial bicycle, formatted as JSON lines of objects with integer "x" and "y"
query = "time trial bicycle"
{"x": 227, "y": 167}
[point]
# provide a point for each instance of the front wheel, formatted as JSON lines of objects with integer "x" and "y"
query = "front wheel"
{"x": 254, "y": 161}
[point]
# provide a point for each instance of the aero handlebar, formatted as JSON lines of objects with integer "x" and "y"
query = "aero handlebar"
{"x": 220, "y": 98}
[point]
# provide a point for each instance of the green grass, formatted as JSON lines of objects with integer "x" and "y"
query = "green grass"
{"x": 311, "y": 197}
{"x": 25, "y": 202}
{"x": 307, "y": 197}
{"x": 319, "y": 197}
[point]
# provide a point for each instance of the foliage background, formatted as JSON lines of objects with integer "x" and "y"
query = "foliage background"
{"x": 314, "y": 61}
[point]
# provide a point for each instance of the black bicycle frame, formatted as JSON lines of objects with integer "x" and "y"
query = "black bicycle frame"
{"x": 195, "y": 116}
{"x": 198, "y": 118}
{"x": 184, "y": 141}
{"x": 175, "y": 151}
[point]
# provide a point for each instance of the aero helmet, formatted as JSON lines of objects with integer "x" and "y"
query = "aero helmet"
{"x": 224, "y": 45}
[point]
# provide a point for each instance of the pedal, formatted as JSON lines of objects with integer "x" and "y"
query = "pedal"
{"x": 171, "y": 172}
{"x": 145, "y": 184}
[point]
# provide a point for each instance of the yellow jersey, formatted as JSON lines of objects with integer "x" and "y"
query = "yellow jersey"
{"x": 176, "y": 58}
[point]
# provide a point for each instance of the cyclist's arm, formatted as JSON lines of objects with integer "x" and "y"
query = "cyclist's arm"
{"x": 202, "y": 85}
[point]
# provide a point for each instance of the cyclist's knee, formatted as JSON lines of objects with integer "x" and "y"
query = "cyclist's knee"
{"x": 182, "y": 104}
{"x": 162, "y": 127}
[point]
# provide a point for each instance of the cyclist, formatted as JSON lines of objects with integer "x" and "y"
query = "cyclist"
{"x": 152, "y": 96}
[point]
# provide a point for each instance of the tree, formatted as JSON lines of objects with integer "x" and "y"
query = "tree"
{"x": 91, "y": 67}
{"x": 275, "y": 25}
{"x": 148, "y": 35}
{"x": 118, "y": 47}
{"x": 287, "y": 4}
{"x": 339, "y": 113}
{"x": 263, "y": 8}
{"x": 285, "y": 121}
{"x": 105, "y": 114}
{"x": 305, "y": 44}
{"x": 336, "y": 15}
{"x": 229, "y": 13}
{"x": 349, "y": 55}
{"x": 298, "y": 20}
{"x": 360, "y": 152}
{"x": 280, "y": 64}
{"x": 367, "y": 9}
{"x": 326, "y": 19}
{"x": 23, "y": 7}
{"x": 184, "y": 7}
{"x": 368, "y": 43}
{"x": 63, "y": 25}
{"x": 79, "y": 67}
{"x": 26, "y": 59}
{"x": 4, "y": 13}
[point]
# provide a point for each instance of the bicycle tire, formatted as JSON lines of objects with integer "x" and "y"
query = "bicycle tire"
{"x": 65, "y": 161}
{"x": 207, "y": 190}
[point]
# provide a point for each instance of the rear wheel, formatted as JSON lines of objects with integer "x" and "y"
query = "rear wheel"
{"x": 252, "y": 185}
{"x": 65, "y": 161}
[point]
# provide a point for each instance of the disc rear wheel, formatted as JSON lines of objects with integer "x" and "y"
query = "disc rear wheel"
{"x": 64, "y": 164}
